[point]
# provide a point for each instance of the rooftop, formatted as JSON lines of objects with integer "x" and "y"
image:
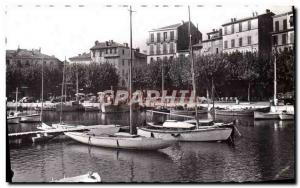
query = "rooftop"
{"x": 24, "y": 53}
{"x": 108, "y": 44}
{"x": 84, "y": 56}
{"x": 173, "y": 26}
{"x": 254, "y": 16}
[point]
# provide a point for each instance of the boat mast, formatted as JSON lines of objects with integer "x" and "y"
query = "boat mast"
{"x": 130, "y": 74}
{"x": 17, "y": 91}
{"x": 62, "y": 92}
{"x": 41, "y": 115}
{"x": 77, "y": 97}
{"x": 213, "y": 97}
{"x": 275, "y": 81}
{"x": 192, "y": 70}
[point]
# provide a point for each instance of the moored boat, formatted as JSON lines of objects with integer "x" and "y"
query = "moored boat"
{"x": 30, "y": 118}
{"x": 180, "y": 110}
{"x": 89, "y": 177}
{"x": 239, "y": 112}
{"x": 186, "y": 131}
{"x": 120, "y": 141}
{"x": 13, "y": 119}
{"x": 286, "y": 116}
{"x": 267, "y": 115}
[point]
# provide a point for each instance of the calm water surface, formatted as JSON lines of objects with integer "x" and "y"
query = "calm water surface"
{"x": 264, "y": 152}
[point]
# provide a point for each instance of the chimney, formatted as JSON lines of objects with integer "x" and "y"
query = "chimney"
{"x": 107, "y": 43}
{"x": 126, "y": 45}
{"x": 40, "y": 50}
{"x": 96, "y": 42}
{"x": 253, "y": 14}
{"x": 138, "y": 49}
{"x": 79, "y": 54}
{"x": 267, "y": 11}
{"x": 213, "y": 30}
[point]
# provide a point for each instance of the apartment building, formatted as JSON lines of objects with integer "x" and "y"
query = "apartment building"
{"x": 251, "y": 34}
{"x": 212, "y": 45}
{"x": 167, "y": 42}
{"x": 283, "y": 31}
{"x": 118, "y": 55}
{"x": 25, "y": 57}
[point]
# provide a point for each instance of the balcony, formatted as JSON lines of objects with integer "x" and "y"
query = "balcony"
{"x": 161, "y": 41}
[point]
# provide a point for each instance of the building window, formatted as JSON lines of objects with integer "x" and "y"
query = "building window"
{"x": 164, "y": 48}
{"x": 240, "y": 41}
{"x": 94, "y": 53}
{"x": 217, "y": 50}
{"x": 275, "y": 40}
{"x": 292, "y": 38}
{"x": 106, "y": 51}
{"x": 158, "y": 37}
{"x": 232, "y": 28}
{"x": 165, "y": 36}
{"x": 171, "y": 47}
{"x": 158, "y": 49}
{"x": 249, "y": 25}
{"x": 292, "y": 21}
{"x": 284, "y": 24}
{"x": 110, "y": 51}
{"x": 232, "y": 43}
{"x": 115, "y": 50}
{"x": 152, "y": 37}
{"x": 100, "y": 53}
{"x": 240, "y": 27}
{"x": 225, "y": 44}
{"x": 123, "y": 62}
{"x": 249, "y": 40}
{"x": 151, "y": 49}
{"x": 172, "y": 35}
{"x": 123, "y": 51}
{"x": 225, "y": 30}
{"x": 277, "y": 26}
{"x": 283, "y": 38}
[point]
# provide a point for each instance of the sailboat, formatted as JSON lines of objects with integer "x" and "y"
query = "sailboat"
{"x": 122, "y": 140}
{"x": 192, "y": 130}
{"x": 40, "y": 137}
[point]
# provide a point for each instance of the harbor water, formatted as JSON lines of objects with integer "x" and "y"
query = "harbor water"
{"x": 264, "y": 152}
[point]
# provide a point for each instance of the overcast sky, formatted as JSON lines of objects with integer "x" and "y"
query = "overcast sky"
{"x": 66, "y": 31}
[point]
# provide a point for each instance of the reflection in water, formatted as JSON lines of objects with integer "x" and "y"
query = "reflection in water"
{"x": 265, "y": 148}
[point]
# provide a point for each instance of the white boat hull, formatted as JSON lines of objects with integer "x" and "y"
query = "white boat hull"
{"x": 89, "y": 177}
{"x": 13, "y": 120}
{"x": 30, "y": 118}
{"x": 197, "y": 135}
{"x": 138, "y": 143}
{"x": 286, "y": 116}
{"x": 269, "y": 115}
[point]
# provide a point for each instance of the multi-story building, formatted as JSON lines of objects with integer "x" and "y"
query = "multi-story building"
{"x": 212, "y": 45}
{"x": 283, "y": 31}
{"x": 84, "y": 58}
{"x": 118, "y": 55}
{"x": 249, "y": 34}
{"x": 166, "y": 42}
{"x": 29, "y": 57}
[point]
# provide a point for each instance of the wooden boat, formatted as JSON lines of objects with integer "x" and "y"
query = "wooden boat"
{"x": 13, "y": 119}
{"x": 187, "y": 131}
{"x": 30, "y": 118}
{"x": 180, "y": 110}
{"x": 120, "y": 141}
{"x": 91, "y": 109}
{"x": 239, "y": 112}
{"x": 286, "y": 116}
{"x": 89, "y": 177}
{"x": 268, "y": 115}
{"x": 70, "y": 106}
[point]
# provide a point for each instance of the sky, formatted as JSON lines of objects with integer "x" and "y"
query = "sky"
{"x": 66, "y": 31}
